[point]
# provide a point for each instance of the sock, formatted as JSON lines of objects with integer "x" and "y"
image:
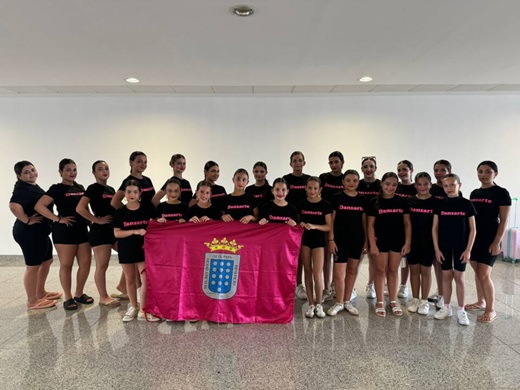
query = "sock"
{"x": 447, "y": 306}
{"x": 460, "y": 308}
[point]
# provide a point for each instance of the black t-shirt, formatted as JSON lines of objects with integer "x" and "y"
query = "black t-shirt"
{"x": 331, "y": 185}
{"x": 66, "y": 199}
{"x": 262, "y": 194}
{"x": 421, "y": 217}
{"x": 348, "y": 221}
{"x": 369, "y": 190}
{"x": 296, "y": 186}
{"x": 389, "y": 215}
{"x": 27, "y": 195}
{"x": 454, "y": 214}
{"x": 487, "y": 202}
{"x": 186, "y": 191}
{"x": 314, "y": 213}
{"x": 171, "y": 212}
{"x": 212, "y": 212}
{"x": 239, "y": 206}
{"x": 147, "y": 192}
{"x": 126, "y": 219}
{"x": 100, "y": 197}
{"x": 406, "y": 190}
{"x": 218, "y": 193}
{"x": 278, "y": 214}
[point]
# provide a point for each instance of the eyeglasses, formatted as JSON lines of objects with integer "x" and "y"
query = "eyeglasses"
{"x": 368, "y": 158}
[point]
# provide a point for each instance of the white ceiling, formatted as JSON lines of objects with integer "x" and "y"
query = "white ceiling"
{"x": 289, "y": 46}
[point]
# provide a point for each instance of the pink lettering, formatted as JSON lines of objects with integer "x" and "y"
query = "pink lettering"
{"x": 482, "y": 200}
{"x": 351, "y": 208}
{"x": 390, "y": 211}
{"x": 240, "y": 206}
{"x": 312, "y": 212}
{"x": 74, "y": 193}
{"x": 108, "y": 196}
{"x": 174, "y": 215}
{"x": 327, "y": 185}
{"x": 135, "y": 223}
{"x": 454, "y": 213}
{"x": 147, "y": 189}
{"x": 425, "y": 211}
{"x": 293, "y": 187}
{"x": 278, "y": 218}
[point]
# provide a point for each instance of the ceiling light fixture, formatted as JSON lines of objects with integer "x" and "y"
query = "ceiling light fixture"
{"x": 365, "y": 79}
{"x": 242, "y": 10}
{"x": 132, "y": 80}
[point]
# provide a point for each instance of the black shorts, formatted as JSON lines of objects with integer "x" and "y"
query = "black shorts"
{"x": 349, "y": 249}
{"x": 313, "y": 239}
{"x": 480, "y": 254}
{"x": 71, "y": 235}
{"x": 35, "y": 243}
{"x": 130, "y": 250}
{"x": 390, "y": 244}
{"x": 422, "y": 254}
{"x": 101, "y": 235}
{"x": 452, "y": 259}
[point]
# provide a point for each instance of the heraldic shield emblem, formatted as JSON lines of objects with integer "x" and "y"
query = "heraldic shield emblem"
{"x": 221, "y": 269}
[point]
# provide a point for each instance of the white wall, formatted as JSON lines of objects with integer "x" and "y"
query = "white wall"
{"x": 238, "y": 131}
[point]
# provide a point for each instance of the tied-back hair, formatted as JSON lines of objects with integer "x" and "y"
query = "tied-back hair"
{"x": 337, "y": 154}
{"x": 351, "y": 172}
{"x": 279, "y": 180}
{"x": 452, "y": 176}
{"x": 263, "y": 165}
{"x": 203, "y": 183}
{"x": 490, "y": 164}
{"x": 19, "y": 166}
{"x": 132, "y": 183}
{"x": 176, "y": 157}
{"x": 134, "y": 155}
{"x": 408, "y": 163}
{"x": 210, "y": 164}
{"x": 421, "y": 175}
{"x": 446, "y": 163}
{"x": 296, "y": 153}
{"x": 241, "y": 170}
{"x": 380, "y": 194}
{"x": 64, "y": 162}
{"x": 314, "y": 178}
{"x": 174, "y": 180}
{"x": 96, "y": 163}
{"x": 369, "y": 158}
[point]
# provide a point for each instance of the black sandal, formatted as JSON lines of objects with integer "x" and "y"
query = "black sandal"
{"x": 70, "y": 304}
{"x": 84, "y": 299}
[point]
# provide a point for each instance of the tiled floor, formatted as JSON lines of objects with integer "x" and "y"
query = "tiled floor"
{"x": 93, "y": 349}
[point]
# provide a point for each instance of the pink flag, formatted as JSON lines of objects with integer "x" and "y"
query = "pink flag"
{"x": 221, "y": 272}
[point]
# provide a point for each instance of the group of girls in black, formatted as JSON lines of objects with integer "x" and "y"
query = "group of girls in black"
{"x": 394, "y": 220}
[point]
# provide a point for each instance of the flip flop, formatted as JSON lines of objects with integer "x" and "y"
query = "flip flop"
{"x": 53, "y": 295}
{"x": 473, "y": 307}
{"x": 111, "y": 303}
{"x": 119, "y": 296}
{"x": 487, "y": 318}
{"x": 84, "y": 299}
{"x": 42, "y": 305}
{"x": 70, "y": 304}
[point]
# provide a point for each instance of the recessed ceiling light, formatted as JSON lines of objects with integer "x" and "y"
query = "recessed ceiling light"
{"x": 242, "y": 10}
{"x": 365, "y": 79}
{"x": 132, "y": 80}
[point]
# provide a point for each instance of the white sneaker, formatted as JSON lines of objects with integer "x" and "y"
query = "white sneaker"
{"x": 334, "y": 310}
{"x": 301, "y": 293}
{"x": 319, "y": 311}
{"x": 351, "y": 309}
{"x": 424, "y": 308}
{"x": 434, "y": 297}
{"x": 443, "y": 313}
{"x": 353, "y": 296}
{"x": 403, "y": 291}
{"x": 130, "y": 314}
{"x": 327, "y": 295}
{"x": 371, "y": 291}
{"x": 462, "y": 316}
{"x": 147, "y": 317}
{"x": 440, "y": 302}
{"x": 414, "y": 305}
{"x": 310, "y": 311}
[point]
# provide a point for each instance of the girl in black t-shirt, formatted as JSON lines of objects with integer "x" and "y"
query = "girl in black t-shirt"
{"x": 315, "y": 217}
{"x": 211, "y": 175}
{"x": 203, "y": 210}
{"x": 278, "y": 210}
{"x": 173, "y": 209}
{"x": 389, "y": 234}
{"x": 31, "y": 231}
{"x": 261, "y": 189}
{"x": 296, "y": 182}
{"x": 178, "y": 163}
{"x": 453, "y": 237}
{"x": 69, "y": 232}
{"x": 130, "y": 223}
{"x": 493, "y": 204}
{"x": 239, "y": 205}
{"x": 101, "y": 234}
{"x": 369, "y": 187}
{"x": 347, "y": 240}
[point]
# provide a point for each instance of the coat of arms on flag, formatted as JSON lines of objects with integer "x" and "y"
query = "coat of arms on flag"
{"x": 220, "y": 279}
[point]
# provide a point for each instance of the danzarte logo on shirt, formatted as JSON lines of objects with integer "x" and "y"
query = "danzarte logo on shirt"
{"x": 424, "y": 211}
{"x": 454, "y": 213}
{"x": 312, "y": 212}
{"x": 108, "y": 196}
{"x": 147, "y": 189}
{"x": 368, "y": 192}
{"x": 390, "y": 211}
{"x": 174, "y": 215}
{"x": 239, "y": 206}
{"x": 351, "y": 208}
{"x": 293, "y": 187}
{"x": 277, "y": 218}
{"x": 135, "y": 223}
{"x": 482, "y": 200}
{"x": 74, "y": 193}
{"x": 327, "y": 185}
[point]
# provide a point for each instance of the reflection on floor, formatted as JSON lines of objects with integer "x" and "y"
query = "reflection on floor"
{"x": 92, "y": 349}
